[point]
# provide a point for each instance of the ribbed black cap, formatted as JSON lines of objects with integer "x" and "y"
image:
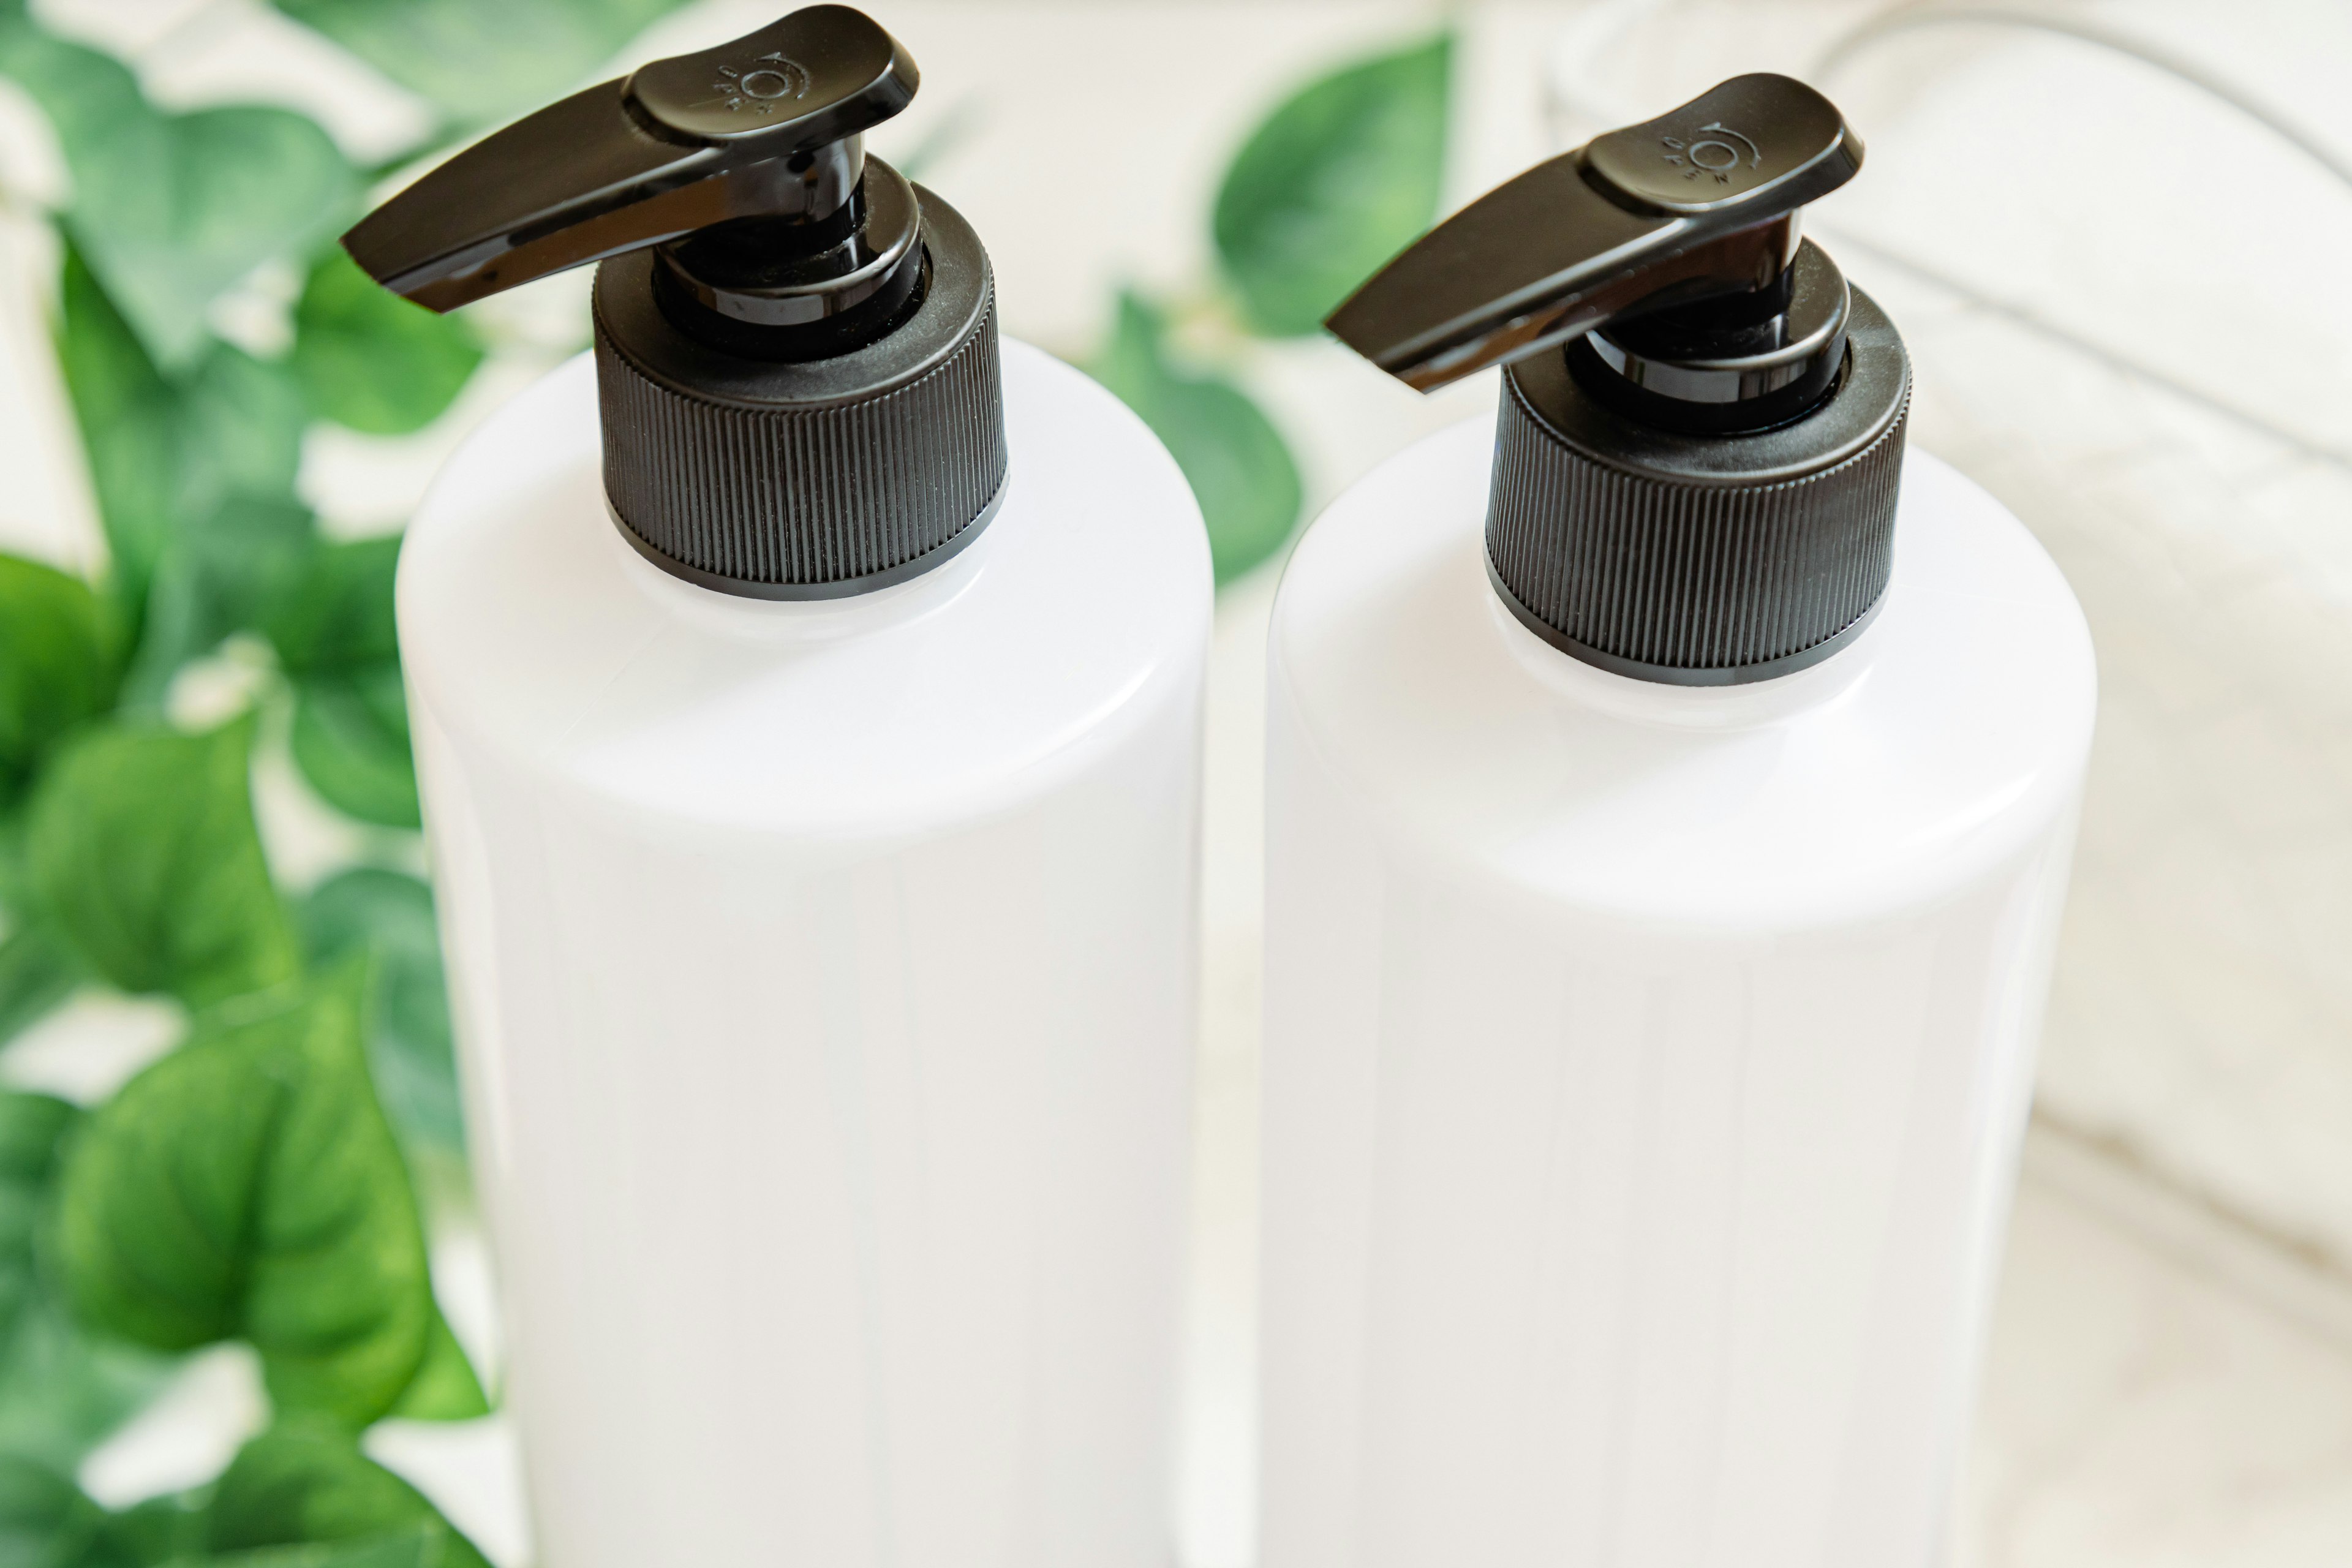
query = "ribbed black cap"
{"x": 1699, "y": 559}
{"x": 810, "y": 480}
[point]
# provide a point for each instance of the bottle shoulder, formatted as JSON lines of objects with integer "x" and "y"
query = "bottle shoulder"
{"x": 528, "y": 627}
{"x": 1949, "y": 736}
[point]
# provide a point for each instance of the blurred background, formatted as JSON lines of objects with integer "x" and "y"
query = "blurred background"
{"x": 2114, "y": 234}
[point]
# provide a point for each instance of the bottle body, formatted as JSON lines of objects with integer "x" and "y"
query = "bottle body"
{"x": 1644, "y": 1065}
{"x": 823, "y": 978}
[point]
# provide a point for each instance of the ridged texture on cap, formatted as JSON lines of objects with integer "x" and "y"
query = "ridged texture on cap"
{"x": 1670, "y": 576}
{"x": 806, "y": 497}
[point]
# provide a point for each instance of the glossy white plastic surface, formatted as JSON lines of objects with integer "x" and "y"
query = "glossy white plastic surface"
{"x": 1644, "y": 1066}
{"x": 824, "y": 985}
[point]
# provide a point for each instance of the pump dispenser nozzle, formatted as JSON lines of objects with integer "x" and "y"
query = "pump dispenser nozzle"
{"x": 796, "y": 347}
{"x": 1701, "y": 441}
{"x": 764, "y": 129}
{"x": 1699, "y": 204}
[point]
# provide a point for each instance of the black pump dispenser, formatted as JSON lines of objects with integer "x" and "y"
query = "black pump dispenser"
{"x": 1701, "y": 437}
{"x": 796, "y": 346}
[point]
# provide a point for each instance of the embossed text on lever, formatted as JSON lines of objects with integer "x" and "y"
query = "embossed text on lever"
{"x": 1699, "y": 202}
{"x": 766, "y": 126}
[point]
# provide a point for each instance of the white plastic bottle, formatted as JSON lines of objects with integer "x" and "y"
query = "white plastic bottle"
{"x": 809, "y": 747}
{"x": 1668, "y": 822}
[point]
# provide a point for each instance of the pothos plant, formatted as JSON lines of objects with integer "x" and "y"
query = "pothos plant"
{"x": 1339, "y": 178}
{"x": 259, "y": 1182}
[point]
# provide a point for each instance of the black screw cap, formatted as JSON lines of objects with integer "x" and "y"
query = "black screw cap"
{"x": 1693, "y": 558}
{"x": 1701, "y": 439}
{"x": 796, "y": 349}
{"x": 814, "y": 478}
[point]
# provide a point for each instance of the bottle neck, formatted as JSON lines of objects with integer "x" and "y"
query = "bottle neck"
{"x": 802, "y": 621}
{"x": 805, "y": 285}
{"x": 1744, "y": 707}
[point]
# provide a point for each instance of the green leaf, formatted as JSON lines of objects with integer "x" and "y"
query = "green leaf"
{"x": 336, "y": 634}
{"x": 162, "y": 1530}
{"x": 1333, "y": 184}
{"x": 166, "y": 454}
{"x": 44, "y": 1520}
{"x": 431, "y": 1546}
{"x": 302, "y": 1481}
{"x": 482, "y": 62}
{"x": 90, "y": 98}
{"x": 387, "y": 916}
{"x": 338, "y": 616}
{"x": 130, "y": 427}
{"x": 63, "y": 1392}
{"x": 371, "y": 359}
{"x": 244, "y": 425}
{"x": 217, "y": 577}
{"x": 57, "y": 663}
{"x": 446, "y": 1388}
{"x": 1232, "y": 455}
{"x": 172, "y": 210}
{"x": 31, "y": 1126}
{"x": 38, "y": 972}
{"x": 58, "y": 1394}
{"x": 247, "y": 1186}
{"x": 144, "y": 856}
{"x": 351, "y": 741}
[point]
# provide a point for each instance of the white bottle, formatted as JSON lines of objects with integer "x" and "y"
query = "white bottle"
{"x": 815, "y": 852}
{"x": 1662, "y": 886}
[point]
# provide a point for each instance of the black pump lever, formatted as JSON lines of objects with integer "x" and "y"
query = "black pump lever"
{"x": 766, "y": 127}
{"x": 1699, "y": 203}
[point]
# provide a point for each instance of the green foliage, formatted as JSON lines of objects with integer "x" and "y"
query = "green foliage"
{"x": 298, "y": 1496}
{"x": 371, "y": 359}
{"x": 160, "y": 1531}
{"x": 214, "y": 579}
{"x": 335, "y": 638}
{"x": 143, "y": 854}
{"x": 59, "y": 664}
{"x": 482, "y": 62}
{"x": 44, "y": 1521}
{"x": 434, "y": 1545}
{"x": 130, "y": 428}
{"x": 387, "y": 917}
{"x": 351, "y": 741}
{"x": 64, "y": 1390}
{"x": 30, "y": 1127}
{"x": 247, "y": 1186}
{"x": 243, "y": 421}
{"x": 340, "y": 616}
{"x": 306, "y": 1481}
{"x": 168, "y": 455}
{"x": 38, "y": 972}
{"x": 172, "y": 209}
{"x": 446, "y": 1387}
{"x": 60, "y": 1393}
{"x": 1236, "y": 461}
{"x": 1335, "y": 181}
